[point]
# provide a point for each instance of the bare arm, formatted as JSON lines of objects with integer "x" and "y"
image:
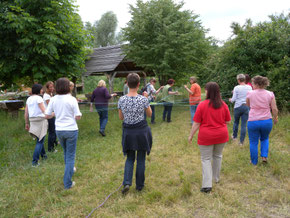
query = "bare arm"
{"x": 173, "y": 93}
{"x": 248, "y": 102}
{"x": 47, "y": 101}
{"x": 159, "y": 90}
{"x": 26, "y": 117}
{"x": 274, "y": 110}
{"x": 194, "y": 128}
{"x": 148, "y": 112}
{"x": 41, "y": 106}
{"x": 189, "y": 91}
{"x": 121, "y": 116}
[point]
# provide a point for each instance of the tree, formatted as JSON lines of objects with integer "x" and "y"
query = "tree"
{"x": 165, "y": 39}
{"x": 106, "y": 28}
{"x": 103, "y": 32}
{"x": 261, "y": 49}
{"x": 40, "y": 39}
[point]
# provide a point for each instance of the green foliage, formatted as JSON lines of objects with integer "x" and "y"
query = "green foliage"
{"x": 165, "y": 39}
{"x": 106, "y": 28}
{"x": 103, "y": 32}
{"x": 261, "y": 49}
{"x": 91, "y": 83}
{"x": 41, "y": 39}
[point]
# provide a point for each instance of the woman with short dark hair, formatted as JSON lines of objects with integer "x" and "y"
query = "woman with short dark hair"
{"x": 168, "y": 99}
{"x": 260, "y": 123}
{"x": 211, "y": 118}
{"x": 136, "y": 137}
{"x": 34, "y": 113}
{"x": 66, "y": 110}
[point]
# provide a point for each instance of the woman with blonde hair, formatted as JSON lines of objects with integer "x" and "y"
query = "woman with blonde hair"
{"x": 49, "y": 89}
{"x": 260, "y": 122}
{"x": 100, "y": 98}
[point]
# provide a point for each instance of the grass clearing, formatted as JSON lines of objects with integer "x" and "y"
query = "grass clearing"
{"x": 173, "y": 174}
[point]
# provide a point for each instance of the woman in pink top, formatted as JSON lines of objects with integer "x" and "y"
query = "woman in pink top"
{"x": 261, "y": 102}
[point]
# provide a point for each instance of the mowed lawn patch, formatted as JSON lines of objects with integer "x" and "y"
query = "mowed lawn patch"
{"x": 173, "y": 174}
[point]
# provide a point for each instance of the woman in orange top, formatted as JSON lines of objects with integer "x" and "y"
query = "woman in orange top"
{"x": 194, "y": 96}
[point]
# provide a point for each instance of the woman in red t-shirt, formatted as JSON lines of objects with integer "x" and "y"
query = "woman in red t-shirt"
{"x": 211, "y": 118}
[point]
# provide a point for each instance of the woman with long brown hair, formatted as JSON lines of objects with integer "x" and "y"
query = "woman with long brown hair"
{"x": 211, "y": 118}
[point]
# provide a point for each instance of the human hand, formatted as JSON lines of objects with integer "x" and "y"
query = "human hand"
{"x": 185, "y": 86}
{"x": 190, "y": 139}
{"x": 114, "y": 94}
{"x": 27, "y": 126}
{"x": 145, "y": 94}
{"x": 176, "y": 93}
{"x": 230, "y": 99}
{"x": 275, "y": 121}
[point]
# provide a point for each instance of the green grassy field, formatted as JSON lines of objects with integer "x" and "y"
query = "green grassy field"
{"x": 173, "y": 174}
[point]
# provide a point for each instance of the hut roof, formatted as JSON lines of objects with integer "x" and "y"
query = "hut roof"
{"x": 112, "y": 59}
{"x": 104, "y": 59}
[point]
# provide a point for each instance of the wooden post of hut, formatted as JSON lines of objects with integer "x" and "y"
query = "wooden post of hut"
{"x": 111, "y": 77}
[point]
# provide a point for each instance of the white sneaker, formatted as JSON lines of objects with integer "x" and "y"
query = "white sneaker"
{"x": 75, "y": 169}
{"x": 35, "y": 165}
{"x": 73, "y": 184}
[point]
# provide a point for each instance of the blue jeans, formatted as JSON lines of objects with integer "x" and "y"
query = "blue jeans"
{"x": 68, "y": 141}
{"x": 192, "y": 111}
{"x": 140, "y": 169}
{"x": 38, "y": 150}
{"x": 167, "y": 111}
{"x": 243, "y": 113}
{"x": 103, "y": 115}
{"x": 51, "y": 134}
{"x": 259, "y": 130}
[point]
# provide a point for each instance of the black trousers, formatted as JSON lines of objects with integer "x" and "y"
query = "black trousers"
{"x": 51, "y": 135}
{"x": 167, "y": 111}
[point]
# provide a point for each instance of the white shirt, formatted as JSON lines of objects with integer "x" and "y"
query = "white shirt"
{"x": 240, "y": 94}
{"x": 33, "y": 106}
{"x": 45, "y": 98}
{"x": 66, "y": 108}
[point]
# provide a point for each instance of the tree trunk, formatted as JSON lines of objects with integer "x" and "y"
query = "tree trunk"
{"x": 162, "y": 80}
{"x": 111, "y": 77}
{"x": 74, "y": 92}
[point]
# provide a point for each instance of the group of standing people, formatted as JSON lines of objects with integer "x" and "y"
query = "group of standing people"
{"x": 210, "y": 117}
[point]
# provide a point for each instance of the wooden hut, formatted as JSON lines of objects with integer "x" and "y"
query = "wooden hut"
{"x": 111, "y": 61}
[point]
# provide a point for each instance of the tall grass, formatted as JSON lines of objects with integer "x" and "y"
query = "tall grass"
{"x": 173, "y": 174}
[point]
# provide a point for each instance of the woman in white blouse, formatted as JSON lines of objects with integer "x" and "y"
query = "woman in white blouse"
{"x": 67, "y": 112}
{"x": 35, "y": 122}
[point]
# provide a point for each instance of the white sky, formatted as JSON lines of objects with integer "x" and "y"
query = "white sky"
{"x": 216, "y": 15}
